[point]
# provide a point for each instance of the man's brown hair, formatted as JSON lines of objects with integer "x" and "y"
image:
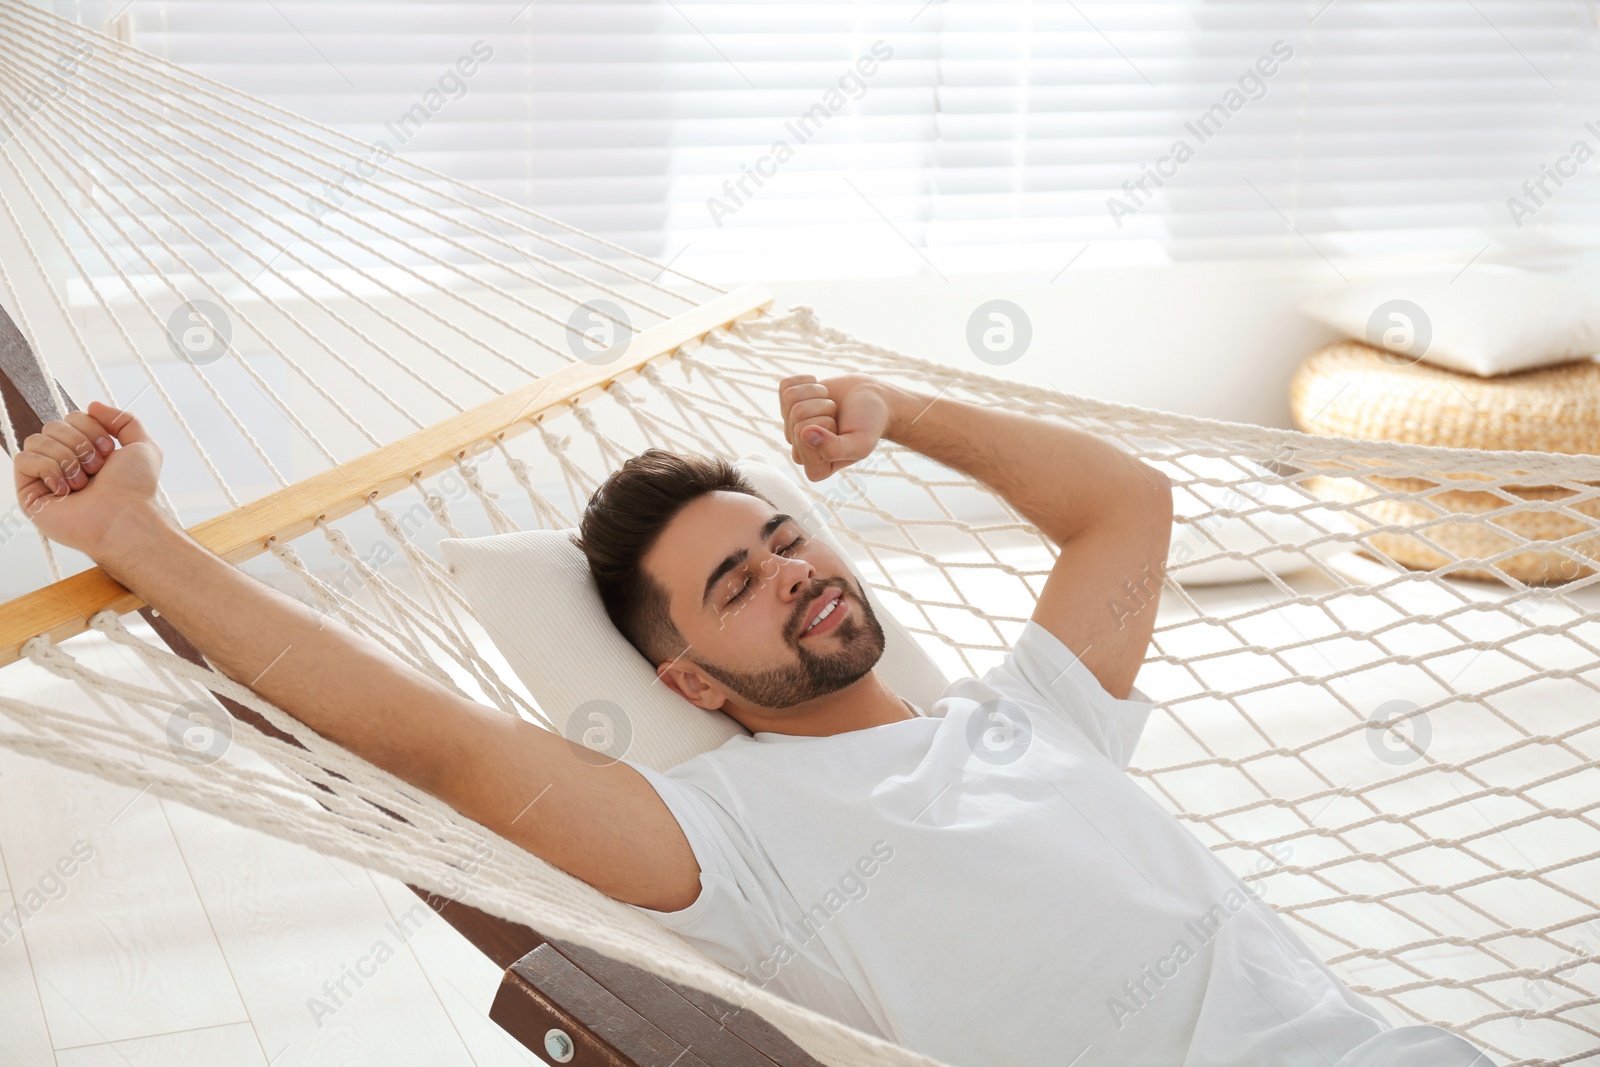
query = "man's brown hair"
{"x": 625, "y": 517}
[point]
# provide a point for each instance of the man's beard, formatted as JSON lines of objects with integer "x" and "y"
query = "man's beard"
{"x": 817, "y": 673}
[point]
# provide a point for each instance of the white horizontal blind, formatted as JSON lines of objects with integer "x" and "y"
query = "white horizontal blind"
{"x": 979, "y": 137}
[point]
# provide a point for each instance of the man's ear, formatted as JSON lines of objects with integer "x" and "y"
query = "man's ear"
{"x": 687, "y": 681}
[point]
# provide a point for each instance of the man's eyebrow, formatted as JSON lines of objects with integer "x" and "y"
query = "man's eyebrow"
{"x": 733, "y": 559}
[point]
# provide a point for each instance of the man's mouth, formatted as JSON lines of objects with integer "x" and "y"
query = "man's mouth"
{"x": 828, "y": 610}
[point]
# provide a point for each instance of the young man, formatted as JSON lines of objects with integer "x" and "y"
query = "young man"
{"x": 980, "y": 882}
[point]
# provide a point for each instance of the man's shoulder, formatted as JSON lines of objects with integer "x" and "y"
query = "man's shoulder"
{"x": 707, "y": 769}
{"x": 1032, "y": 645}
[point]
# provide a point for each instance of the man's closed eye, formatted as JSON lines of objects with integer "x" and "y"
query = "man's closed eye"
{"x": 746, "y": 586}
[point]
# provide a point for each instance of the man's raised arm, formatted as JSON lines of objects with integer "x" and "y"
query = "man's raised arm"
{"x": 604, "y": 824}
{"x": 1110, "y": 513}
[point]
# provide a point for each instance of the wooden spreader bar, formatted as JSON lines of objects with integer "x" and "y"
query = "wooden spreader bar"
{"x": 64, "y": 609}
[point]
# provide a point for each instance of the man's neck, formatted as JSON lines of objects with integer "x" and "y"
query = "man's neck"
{"x": 865, "y": 703}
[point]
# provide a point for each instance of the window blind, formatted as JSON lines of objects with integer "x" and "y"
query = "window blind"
{"x": 786, "y": 140}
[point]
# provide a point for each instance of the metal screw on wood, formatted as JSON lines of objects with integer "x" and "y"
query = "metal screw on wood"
{"x": 559, "y": 1046}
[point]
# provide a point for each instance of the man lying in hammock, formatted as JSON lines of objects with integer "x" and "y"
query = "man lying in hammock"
{"x": 982, "y": 883}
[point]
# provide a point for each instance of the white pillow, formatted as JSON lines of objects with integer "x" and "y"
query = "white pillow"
{"x": 532, "y": 592}
{"x": 1486, "y": 320}
{"x": 1287, "y": 534}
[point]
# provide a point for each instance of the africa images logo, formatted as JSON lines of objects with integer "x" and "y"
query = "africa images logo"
{"x": 803, "y": 127}
{"x": 1252, "y": 86}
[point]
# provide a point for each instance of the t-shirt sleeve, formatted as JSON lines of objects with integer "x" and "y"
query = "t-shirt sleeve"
{"x": 733, "y": 920}
{"x": 1041, "y": 670}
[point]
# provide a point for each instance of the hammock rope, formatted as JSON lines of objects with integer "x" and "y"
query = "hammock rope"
{"x": 1403, "y": 762}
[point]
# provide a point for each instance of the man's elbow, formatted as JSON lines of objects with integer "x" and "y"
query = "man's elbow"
{"x": 1156, "y": 493}
{"x": 1158, "y": 501}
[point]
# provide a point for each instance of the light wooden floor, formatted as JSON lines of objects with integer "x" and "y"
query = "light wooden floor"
{"x": 186, "y": 940}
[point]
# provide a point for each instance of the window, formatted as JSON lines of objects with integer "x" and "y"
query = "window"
{"x": 781, "y": 140}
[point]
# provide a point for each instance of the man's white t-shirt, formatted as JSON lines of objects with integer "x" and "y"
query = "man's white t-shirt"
{"x": 994, "y": 890}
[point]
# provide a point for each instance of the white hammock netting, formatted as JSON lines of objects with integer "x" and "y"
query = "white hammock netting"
{"x": 1403, "y": 762}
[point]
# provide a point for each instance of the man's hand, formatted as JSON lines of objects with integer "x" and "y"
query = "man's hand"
{"x": 74, "y": 483}
{"x": 832, "y": 423}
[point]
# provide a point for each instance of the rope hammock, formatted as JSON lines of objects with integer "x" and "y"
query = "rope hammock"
{"x": 1403, "y": 762}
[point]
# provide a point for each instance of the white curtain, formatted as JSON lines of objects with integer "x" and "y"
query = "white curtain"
{"x": 783, "y": 140}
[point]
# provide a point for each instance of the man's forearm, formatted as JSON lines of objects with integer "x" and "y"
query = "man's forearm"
{"x": 347, "y": 688}
{"x": 1057, "y": 477}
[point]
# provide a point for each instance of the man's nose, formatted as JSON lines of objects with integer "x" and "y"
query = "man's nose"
{"x": 795, "y": 577}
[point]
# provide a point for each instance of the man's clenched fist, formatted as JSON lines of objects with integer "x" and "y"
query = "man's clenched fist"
{"x": 74, "y": 482}
{"x": 831, "y": 423}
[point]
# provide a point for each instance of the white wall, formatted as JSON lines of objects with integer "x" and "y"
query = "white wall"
{"x": 1218, "y": 340}
{"x": 1215, "y": 340}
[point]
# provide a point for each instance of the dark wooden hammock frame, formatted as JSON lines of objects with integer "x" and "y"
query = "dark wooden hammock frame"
{"x": 557, "y": 998}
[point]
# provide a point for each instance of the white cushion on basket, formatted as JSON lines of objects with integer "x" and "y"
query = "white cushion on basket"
{"x": 1486, "y": 320}
{"x": 1285, "y": 535}
{"x": 532, "y": 592}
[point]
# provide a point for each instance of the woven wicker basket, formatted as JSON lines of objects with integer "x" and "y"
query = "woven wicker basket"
{"x": 1350, "y": 389}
